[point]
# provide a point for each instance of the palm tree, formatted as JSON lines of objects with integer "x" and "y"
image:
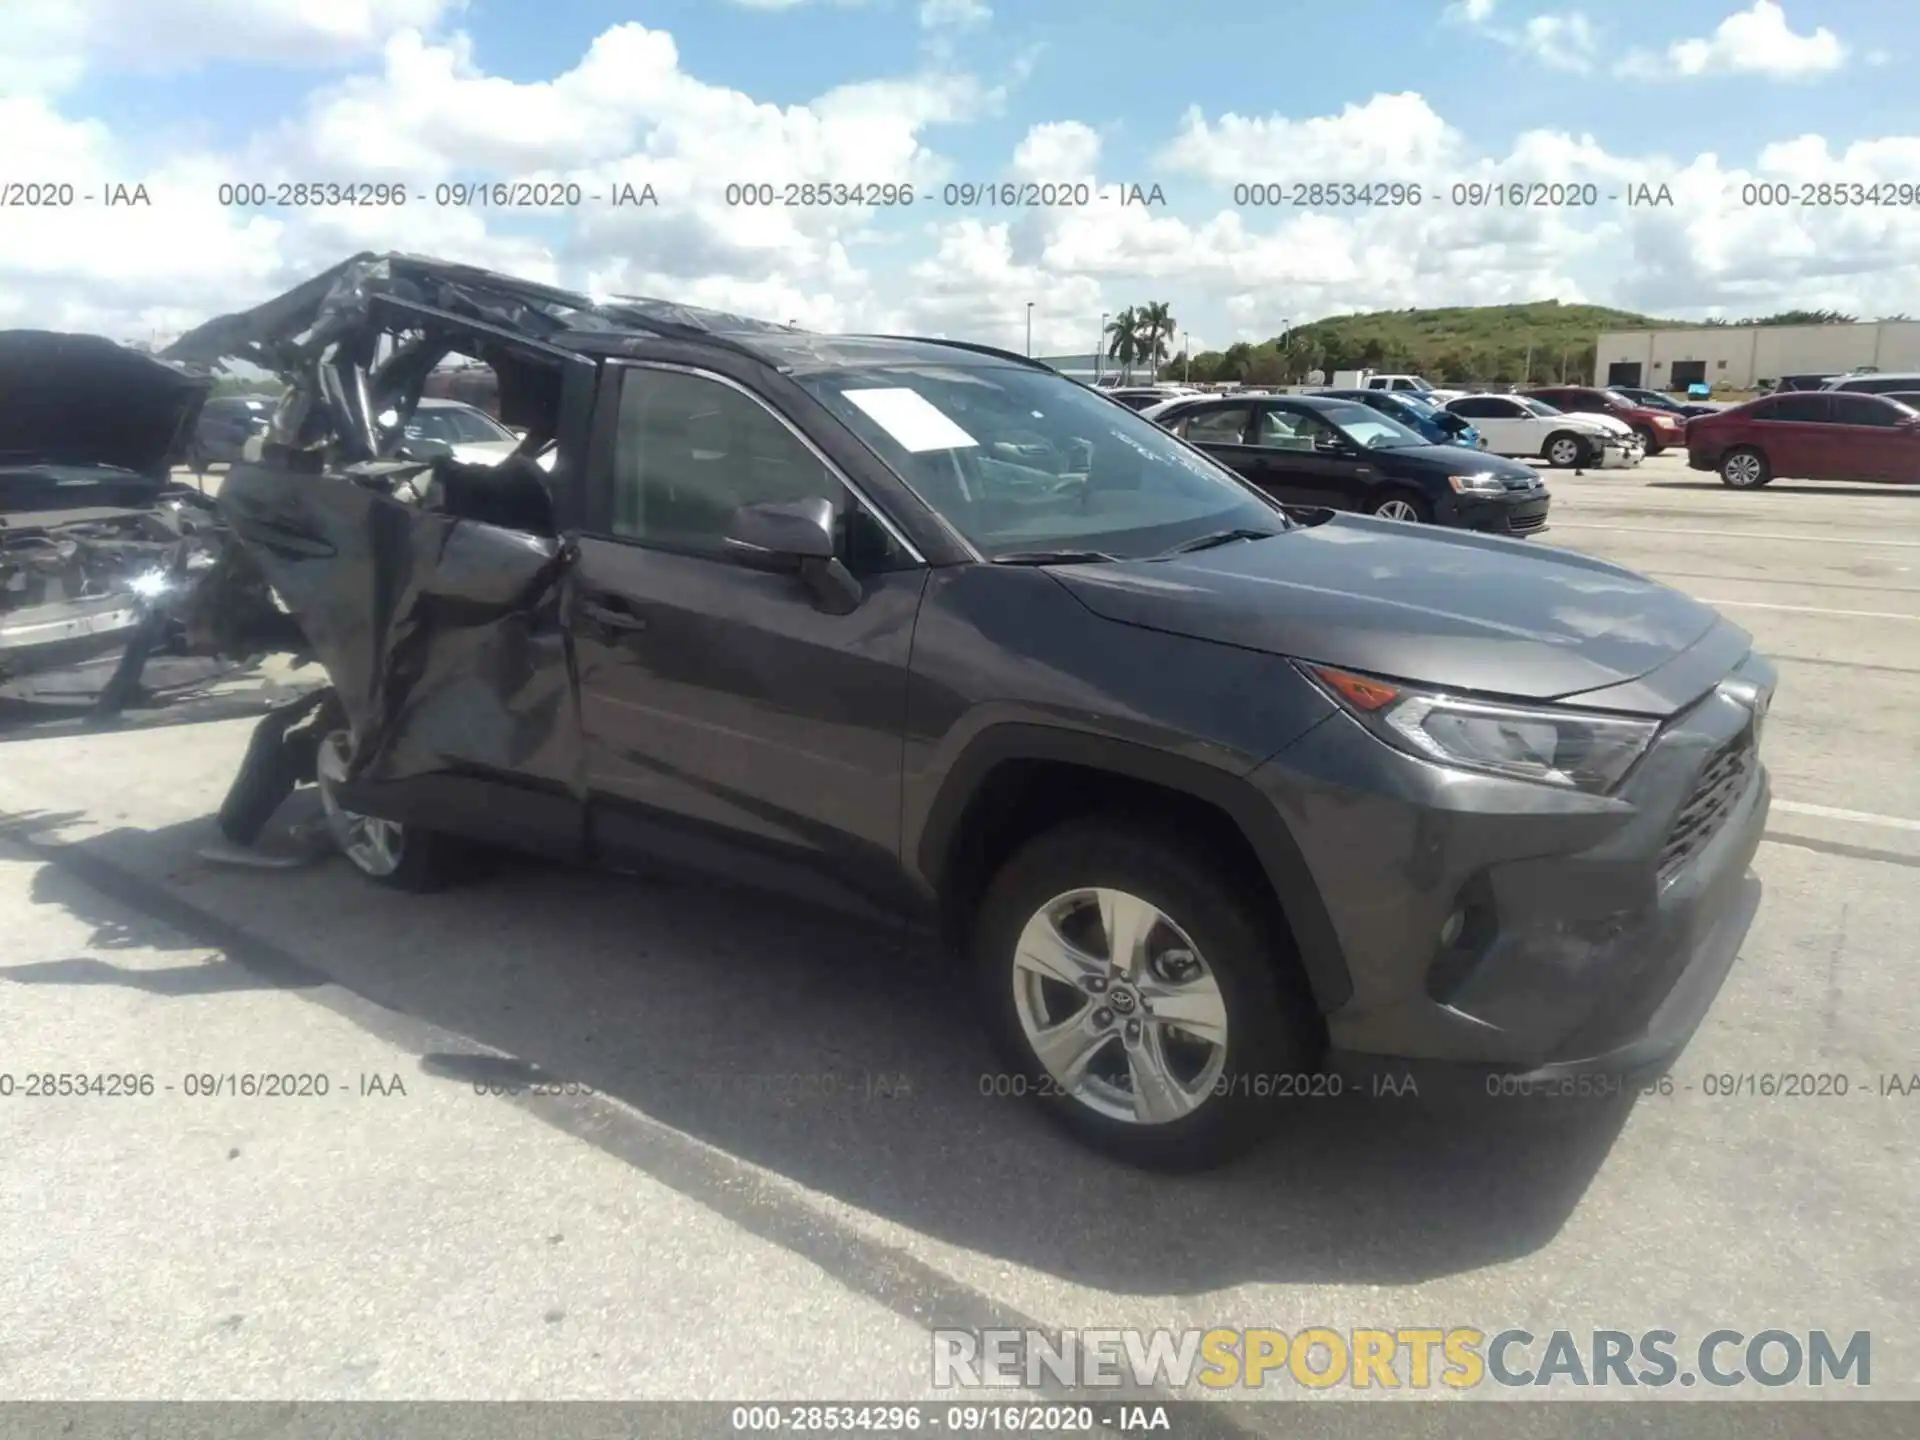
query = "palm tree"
{"x": 1123, "y": 341}
{"x": 1157, "y": 327}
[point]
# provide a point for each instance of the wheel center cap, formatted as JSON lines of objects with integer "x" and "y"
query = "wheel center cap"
{"x": 1122, "y": 1001}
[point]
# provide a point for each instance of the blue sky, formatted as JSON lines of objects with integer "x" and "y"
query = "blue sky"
{"x": 1706, "y": 95}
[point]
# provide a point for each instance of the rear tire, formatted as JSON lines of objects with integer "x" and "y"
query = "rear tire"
{"x": 401, "y": 857}
{"x": 1565, "y": 450}
{"x": 1745, "y": 468}
{"x": 1206, "y": 953}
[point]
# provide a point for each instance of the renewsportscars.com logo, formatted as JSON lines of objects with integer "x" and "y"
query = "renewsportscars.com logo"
{"x": 1458, "y": 1358}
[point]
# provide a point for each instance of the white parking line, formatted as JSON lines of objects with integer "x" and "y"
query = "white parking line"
{"x": 1813, "y": 609}
{"x": 1858, "y": 817}
{"x": 1735, "y": 534}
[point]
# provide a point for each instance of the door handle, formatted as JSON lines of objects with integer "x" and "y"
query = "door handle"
{"x": 612, "y": 617}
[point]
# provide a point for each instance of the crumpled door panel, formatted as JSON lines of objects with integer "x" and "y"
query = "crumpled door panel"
{"x": 443, "y": 636}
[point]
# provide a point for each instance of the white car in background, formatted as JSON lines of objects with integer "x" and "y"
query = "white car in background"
{"x": 1526, "y": 429}
{"x": 466, "y": 432}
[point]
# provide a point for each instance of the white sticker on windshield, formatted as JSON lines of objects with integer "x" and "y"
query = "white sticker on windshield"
{"x": 911, "y": 419}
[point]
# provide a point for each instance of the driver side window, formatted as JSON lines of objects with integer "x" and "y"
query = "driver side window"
{"x": 690, "y": 450}
{"x": 1224, "y": 426}
{"x": 1294, "y": 430}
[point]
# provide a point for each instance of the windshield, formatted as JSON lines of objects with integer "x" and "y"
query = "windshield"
{"x": 1538, "y": 407}
{"x": 1026, "y": 460}
{"x": 1371, "y": 429}
{"x": 1614, "y": 397}
{"x": 455, "y": 425}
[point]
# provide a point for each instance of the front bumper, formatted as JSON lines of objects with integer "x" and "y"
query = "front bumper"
{"x": 1578, "y": 954}
{"x": 1520, "y": 513}
{"x": 1620, "y": 454}
{"x": 43, "y": 638}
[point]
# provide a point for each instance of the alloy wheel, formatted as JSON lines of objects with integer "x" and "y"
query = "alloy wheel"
{"x": 1398, "y": 510}
{"x": 374, "y": 846}
{"x": 1564, "y": 452}
{"x": 1119, "y": 1006}
{"x": 1742, "y": 471}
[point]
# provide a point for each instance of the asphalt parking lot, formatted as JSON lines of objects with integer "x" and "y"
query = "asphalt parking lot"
{"x": 786, "y": 1172}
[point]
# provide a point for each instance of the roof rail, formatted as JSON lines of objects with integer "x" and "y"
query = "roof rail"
{"x": 969, "y": 345}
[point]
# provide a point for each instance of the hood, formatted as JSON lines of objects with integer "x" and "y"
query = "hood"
{"x": 81, "y": 400}
{"x": 1442, "y": 459}
{"x": 1435, "y": 607}
{"x": 1597, "y": 424}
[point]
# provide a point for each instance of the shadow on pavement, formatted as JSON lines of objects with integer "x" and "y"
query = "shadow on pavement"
{"x": 845, "y": 1060}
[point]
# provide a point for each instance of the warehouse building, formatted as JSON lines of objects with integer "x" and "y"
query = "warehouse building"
{"x": 1738, "y": 357}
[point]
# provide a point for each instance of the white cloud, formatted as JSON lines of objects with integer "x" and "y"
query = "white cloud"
{"x": 1560, "y": 42}
{"x": 423, "y": 110}
{"x": 959, "y": 14}
{"x": 51, "y": 44}
{"x": 1061, "y": 150}
{"x": 1563, "y": 41}
{"x": 1470, "y": 12}
{"x": 1756, "y": 41}
{"x": 1397, "y": 134}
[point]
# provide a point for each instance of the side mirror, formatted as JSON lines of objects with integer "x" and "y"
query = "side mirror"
{"x": 787, "y": 530}
{"x": 798, "y": 535}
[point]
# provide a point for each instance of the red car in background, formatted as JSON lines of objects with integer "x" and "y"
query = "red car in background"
{"x": 1657, "y": 429}
{"x": 1809, "y": 435}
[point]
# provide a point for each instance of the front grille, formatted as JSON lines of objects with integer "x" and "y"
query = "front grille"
{"x": 1525, "y": 524}
{"x": 1721, "y": 785}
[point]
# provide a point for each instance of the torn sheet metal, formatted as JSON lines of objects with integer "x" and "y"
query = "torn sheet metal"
{"x": 431, "y": 593}
{"x": 442, "y": 635}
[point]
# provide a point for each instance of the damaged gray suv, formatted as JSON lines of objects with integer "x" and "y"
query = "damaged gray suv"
{"x": 1219, "y": 803}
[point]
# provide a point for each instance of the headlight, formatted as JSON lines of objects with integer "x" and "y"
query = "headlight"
{"x": 1480, "y": 484}
{"x": 1578, "y": 750}
{"x": 151, "y": 584}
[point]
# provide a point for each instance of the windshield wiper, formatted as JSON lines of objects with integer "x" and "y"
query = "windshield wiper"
{"x": 1213, "y": 538}
{"x": 1052, "y": 557}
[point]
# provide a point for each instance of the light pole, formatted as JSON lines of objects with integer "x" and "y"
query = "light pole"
{"x": 1029, "y": 329}
{"x": 1100, "y": 351}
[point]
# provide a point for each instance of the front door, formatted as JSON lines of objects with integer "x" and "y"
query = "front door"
{"x": 1310, "y": 460}
{"x": 1870, "y": 442}
{"x": 730, "y": 722}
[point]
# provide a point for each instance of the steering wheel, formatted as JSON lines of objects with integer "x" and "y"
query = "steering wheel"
{"x": 1035, "y": 440}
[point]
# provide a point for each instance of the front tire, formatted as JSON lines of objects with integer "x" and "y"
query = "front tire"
{"x": 401, "y": 857}
{"x": 1161, "y": 1050}
{"x": 1564, "y": 450}
{"x": 1745, "y": 468}
{"x": 1649, "y": 441}
{"x": 1404, "y": 506}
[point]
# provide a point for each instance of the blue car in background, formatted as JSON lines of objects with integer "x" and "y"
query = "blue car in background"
{"x": 1441, "y": 427}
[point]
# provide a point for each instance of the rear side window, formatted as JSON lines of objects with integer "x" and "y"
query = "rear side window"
{"x": 1805, "y": 406}
{"x": 1480, "y": 409}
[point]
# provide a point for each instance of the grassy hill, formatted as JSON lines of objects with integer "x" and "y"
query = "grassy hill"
{"x": 1459, "y": 343}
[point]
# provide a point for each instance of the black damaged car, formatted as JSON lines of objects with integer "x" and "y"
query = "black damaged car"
{"x": 1209, "y": 800}
{"x": 96, "y": 538}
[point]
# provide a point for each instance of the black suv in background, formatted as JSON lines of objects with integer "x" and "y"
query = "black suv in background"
{"x": 1313, "y": 450}
{"x": 1211, "y": 801}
